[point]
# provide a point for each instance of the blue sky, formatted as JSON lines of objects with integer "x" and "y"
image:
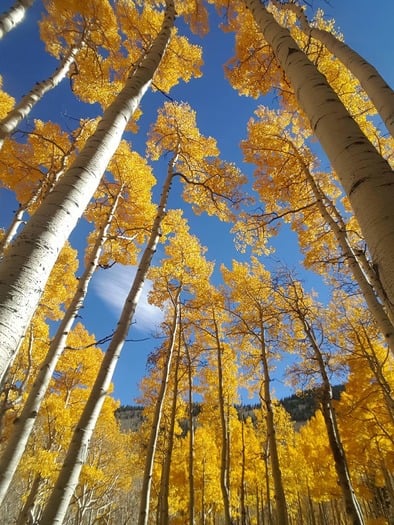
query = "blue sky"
{"x": 220, "y": 113}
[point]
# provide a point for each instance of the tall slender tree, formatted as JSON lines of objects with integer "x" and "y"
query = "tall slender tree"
{"x": 28, "y": 263}
{"x": 370, "y": 79}
{"x": 364, "y": 174}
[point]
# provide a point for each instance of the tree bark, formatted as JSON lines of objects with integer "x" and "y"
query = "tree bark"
{"x": 24, "y": 424}
{"x": 265, "y": 397}
{"x": 151, "y": 450}
{"x": 224, "y": 423}
{"x": 9, "y": 124}
{"x": 367, "y": 280}
{"x": 191, "y": 503}
{"x": 60, "y": 497}
{"x": 166, "y": 470}
{"x": 352, "y": 505}
{"x": 377, "y": 89}
{"x": 14, "y": 16}
{"x": 26, "y": 267}
{"x": 364, "y": 174}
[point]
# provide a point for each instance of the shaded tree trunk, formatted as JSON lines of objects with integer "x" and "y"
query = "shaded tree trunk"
{"x": 166, "y": 470}
{"x": 191, "y": 433}
{"x": 265, "y": 397}
{"x": 352, "y": 505}
{"x": 26, "y": 267}
{"x": 225, "y": 445}
{"x": 243, "y": 467}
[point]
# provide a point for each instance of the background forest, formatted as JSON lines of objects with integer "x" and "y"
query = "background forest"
{"x": 236, "y": 263}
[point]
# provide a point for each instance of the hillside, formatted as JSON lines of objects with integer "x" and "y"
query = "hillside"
{"x": 301, "y": 408}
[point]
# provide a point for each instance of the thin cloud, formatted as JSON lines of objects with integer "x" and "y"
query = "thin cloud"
{"x": 113, "y": 285}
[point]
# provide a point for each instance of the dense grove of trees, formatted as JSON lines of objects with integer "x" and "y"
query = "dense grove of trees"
{"x": 195, "y": 457}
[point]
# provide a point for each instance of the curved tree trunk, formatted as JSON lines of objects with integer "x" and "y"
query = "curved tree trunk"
{"x": 14, "y": 16}
{"x": 364, "y": 174}
{"x": 377, "y": 89}
{"x": 24, "y": 424}
{"x": 9, "y": 124}
{"x": 67, "y": 481}
{"x": 27, "y": 265}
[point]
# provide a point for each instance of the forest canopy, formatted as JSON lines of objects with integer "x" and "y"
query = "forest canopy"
{"x": 116, "y": 164}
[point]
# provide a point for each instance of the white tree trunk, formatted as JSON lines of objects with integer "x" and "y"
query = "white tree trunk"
{"x": 154, "y": 434}
{"x": 18, "y": 220}
{"x": 352, "y": 505}
{"x": 365, "y": 279}
{"x": 25, "y": 269}
{"x": 365, "y": 176}
{"x": 23, "y": 425}
{"x": 266, "y": 400}
{"x": 21, "y": 110}
{"x": 56, "y": 507}
{"x": 14, "y": 16}
{"x": 224, "y": 429}
{"x": 377, "y": 89}
{"x": 10, "y": 233}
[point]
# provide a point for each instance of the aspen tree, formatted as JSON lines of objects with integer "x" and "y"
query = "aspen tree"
{"x": 255, "y": 315}
{"x": 60, "y": 497}
{"x": 24, "y": 424}
{"x": 302, "y": 308}
{"x": 60, "y": 410}
{"x": 224, "y": 422}
{"x": 370, "y": 79}
{"x": 9, "y": 124}
{"x": 67, "y": 32}
{"x": 191, "y": 435}
{"x": 165, "y": 481}
{"x": 14, "y": 16}
{"x": 359, "y": 337}
{"x": 26, "y": 266}
{"x": 151, "y": 448}
{"x": 364, "y": 174}
{"x": 371, "y": 454}
{"x": 293, "y": 191}
{"x": 186, "y": 269}
{"x": 220, "y": 392}
{"x": 32, "y": 169}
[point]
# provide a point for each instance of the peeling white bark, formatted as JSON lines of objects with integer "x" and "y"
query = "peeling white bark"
{"x": 27, "y": 265}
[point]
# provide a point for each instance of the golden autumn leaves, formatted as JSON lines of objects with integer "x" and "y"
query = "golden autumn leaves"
{"x": 219, "y": 337}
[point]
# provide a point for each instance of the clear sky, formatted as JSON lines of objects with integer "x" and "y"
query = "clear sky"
{"x": 221, "y": 113}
